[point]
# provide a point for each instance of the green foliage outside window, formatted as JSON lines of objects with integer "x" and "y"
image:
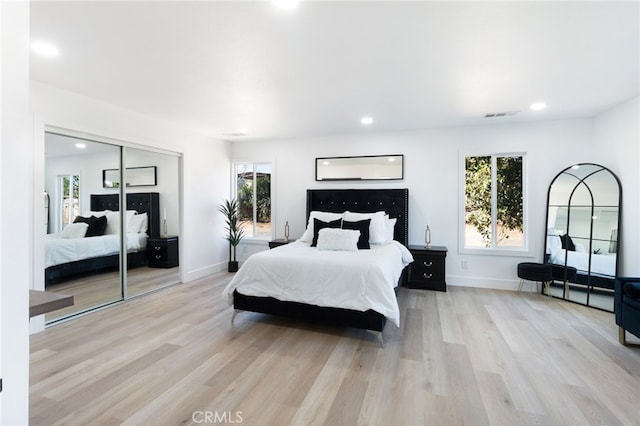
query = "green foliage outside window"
{"x": 509, "y": 192}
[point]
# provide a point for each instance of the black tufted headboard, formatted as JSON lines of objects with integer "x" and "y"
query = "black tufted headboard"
{"x": 142, "y": 202}
{"x": 393, "y": 201}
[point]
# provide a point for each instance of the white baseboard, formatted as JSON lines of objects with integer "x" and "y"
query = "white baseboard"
{"x": 482, "y": 282}
{"x": 203, "y": 272}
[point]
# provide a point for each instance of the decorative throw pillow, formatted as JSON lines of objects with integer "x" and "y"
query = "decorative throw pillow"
{"x": 338, "y": 239}
{"x": 75, "y": 230}
{"x": 307, "y": 236}
{"x": 318, "y": 225}
{"x": 97, "y": 225}
{"x": 363, "y": 227}
{"x": 567, "y": 242}
{"x": 377, "y": 227}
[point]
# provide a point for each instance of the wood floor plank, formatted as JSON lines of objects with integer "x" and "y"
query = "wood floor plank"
{"x": 467, "y": 356}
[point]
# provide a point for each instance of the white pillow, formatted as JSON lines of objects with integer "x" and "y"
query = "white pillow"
{"x": 97, "y": 213}
{"x": 75, "y": 230}
{"x": 138, "y": 224}
{"x": 307, "y": 237}
{"x": 377, "y": 227}
{"x": 554, "y": 244}
{"x": 390, "y": 228}
{"x": 113, "y": 221}
{"x": 338, "y": 239}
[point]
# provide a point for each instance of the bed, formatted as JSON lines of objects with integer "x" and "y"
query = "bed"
{"x": 247, "y": 291}
{"x": 72, "y": 256}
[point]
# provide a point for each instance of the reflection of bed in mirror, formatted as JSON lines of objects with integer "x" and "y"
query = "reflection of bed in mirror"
{"x": 601, "y": 266}
{"x": 66, "y": 255}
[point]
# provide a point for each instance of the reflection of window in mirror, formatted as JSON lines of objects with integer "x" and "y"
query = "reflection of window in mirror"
{"x": 68, "y": 199}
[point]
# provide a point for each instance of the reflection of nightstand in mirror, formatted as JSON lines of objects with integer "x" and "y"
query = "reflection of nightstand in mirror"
{"x": 428, "y": 268}
{"x": 278, "y": 242}
{"x": 162, "y": 252}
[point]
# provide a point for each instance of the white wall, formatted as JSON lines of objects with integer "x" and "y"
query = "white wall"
{"x": 432, "y": 176}
{"x": 16, "y": 186}
{"x": 617, "y": 146}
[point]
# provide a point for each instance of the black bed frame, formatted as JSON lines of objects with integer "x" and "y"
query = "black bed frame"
{"x": 394, "y": 201}
{"x": 143, "y": 202}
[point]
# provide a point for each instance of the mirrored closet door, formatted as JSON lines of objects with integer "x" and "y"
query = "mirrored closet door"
{"x": 83, "y": 242}
{"x": 157, "y": 175}
{"x": 112, "y": 231}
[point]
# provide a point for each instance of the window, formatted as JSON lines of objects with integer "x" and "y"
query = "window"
{"x": 69, "y": 198}
{"x": 494, "y": 195}
{"x": 253, "y": 191}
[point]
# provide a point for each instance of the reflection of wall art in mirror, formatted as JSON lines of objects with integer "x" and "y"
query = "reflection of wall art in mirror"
{"x": 368, "y": 167}
{"x": 134, "y": 176}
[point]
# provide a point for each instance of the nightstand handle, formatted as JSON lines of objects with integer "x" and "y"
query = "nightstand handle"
{"x": 427, "y": 276}
{"x": 157, "y": 248}
{"x": 158, "y": 256}
{"x": 428, "y": 265}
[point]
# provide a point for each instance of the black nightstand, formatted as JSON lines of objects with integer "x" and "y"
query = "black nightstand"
{"x": 278, "y": 242}
{"x": 162, "y": 252}
{"x": 428, "y": 268}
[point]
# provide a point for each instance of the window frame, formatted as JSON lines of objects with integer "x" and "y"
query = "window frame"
{"x": 234, "y": 194}
{"x": 525, "y": 250}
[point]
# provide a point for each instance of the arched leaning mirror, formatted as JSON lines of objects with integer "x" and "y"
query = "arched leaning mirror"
{"x": 583, "y": 224}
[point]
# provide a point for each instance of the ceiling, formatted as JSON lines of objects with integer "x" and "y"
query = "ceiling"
{"x": 217, "y": 67}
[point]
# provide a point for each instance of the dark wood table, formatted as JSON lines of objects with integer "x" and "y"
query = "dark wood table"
{"x": 41, "y": 302}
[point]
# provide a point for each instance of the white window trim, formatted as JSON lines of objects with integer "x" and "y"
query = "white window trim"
{"x": 234, "y": 194}
{"x": 526, "y": 250}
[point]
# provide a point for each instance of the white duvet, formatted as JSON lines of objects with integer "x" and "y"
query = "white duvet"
{"x": 63, "y": 250}
{"x": 296, "y": 272}
{"x": 604, "y": 264}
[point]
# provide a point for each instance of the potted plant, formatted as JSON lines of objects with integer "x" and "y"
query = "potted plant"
{"x": 230, "y": 210}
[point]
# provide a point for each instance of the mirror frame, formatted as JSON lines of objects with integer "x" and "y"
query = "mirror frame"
{"x": 590, "y": 275}
{"x": 366, "y": 168}
{"x": 135, "y": 176}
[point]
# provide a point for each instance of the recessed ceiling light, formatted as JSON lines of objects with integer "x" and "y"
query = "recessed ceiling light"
{"x": 538, "y": 106}
{"x": 286, "y": 4}
{"x": 366, "y": 120}
{"x": 238, "y": 132}
{"x": 391, "y": 159}
{"x": 80, "y": 145}
{"x": 43, "y": 48}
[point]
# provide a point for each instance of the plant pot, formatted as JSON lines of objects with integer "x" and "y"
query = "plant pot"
{"x": 233, "y": 266}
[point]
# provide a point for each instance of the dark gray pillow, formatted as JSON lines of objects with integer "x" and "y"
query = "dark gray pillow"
{"x": 97, "y": 225}
{"x": 319, "y": 224}
{"x": 363, "y": 227}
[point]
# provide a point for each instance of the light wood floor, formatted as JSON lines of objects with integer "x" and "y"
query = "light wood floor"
{"x": 101, "y": 288}
{"x": 468, "y": 356}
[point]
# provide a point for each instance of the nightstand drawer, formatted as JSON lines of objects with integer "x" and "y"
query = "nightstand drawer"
{"x": 428, "y": 268}
{"x": 162, "y": 252}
